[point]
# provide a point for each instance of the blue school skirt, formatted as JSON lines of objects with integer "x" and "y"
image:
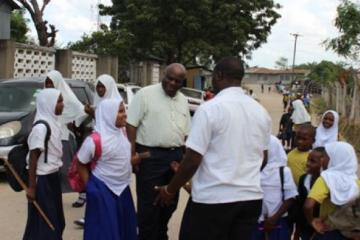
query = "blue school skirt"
{"x": 108, "y": 216}
{"x": 48, "y": 196}
{"x": 281, "y": 232}
{"x": 330, "y": 235}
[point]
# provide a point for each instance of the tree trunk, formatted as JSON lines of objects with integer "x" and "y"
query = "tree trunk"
{"x": 354, "y": 98}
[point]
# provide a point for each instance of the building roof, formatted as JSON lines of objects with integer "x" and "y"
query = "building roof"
{"x": 260, "y": 70}
{"x": 12, "y": 4}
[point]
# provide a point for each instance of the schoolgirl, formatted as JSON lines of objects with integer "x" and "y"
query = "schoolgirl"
{"x": 110, "y": 212}
{"x": 337, "y": 185}
{"x": 279, "y": 193}
{"x": 73, "y": 115}
{"x": 327, "y": 131}
{"x": 44, "y": 179}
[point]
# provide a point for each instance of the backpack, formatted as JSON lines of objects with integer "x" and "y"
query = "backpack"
{"x": 346, "y": 219}
{"x": 17, "y": 158}
{"x": 73, "y": 174}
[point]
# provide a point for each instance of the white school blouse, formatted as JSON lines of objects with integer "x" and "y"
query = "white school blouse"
{"x": 231, "y": 132}
{"x": 36, "y": 140}
{"x": 271, "y": 185}
{"x": 115, "y": 173}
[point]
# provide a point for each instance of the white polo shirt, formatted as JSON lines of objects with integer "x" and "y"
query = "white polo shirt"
{"x": 231, "y": 132}
{"x": 161, "y": 121}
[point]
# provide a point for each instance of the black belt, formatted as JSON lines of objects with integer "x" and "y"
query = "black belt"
{"x": 158, "y": 148}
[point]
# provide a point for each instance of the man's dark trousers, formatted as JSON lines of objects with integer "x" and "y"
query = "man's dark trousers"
{"x": 154, "y": 171}
{"x": 224, "y": 221}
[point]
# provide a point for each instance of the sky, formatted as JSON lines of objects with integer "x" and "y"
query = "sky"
{"x": 312, "y": 19}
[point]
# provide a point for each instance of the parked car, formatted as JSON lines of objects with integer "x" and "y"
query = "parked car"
{"x": 195, "y": 97}
{"x": 18, "y": 105}
{"x": 127, "y": 91}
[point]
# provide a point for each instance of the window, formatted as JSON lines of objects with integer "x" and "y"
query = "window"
{"x": 81, "y": 95}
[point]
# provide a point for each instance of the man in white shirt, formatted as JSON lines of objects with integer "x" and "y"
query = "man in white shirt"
{"x": 158, "y": 122}
{"x": 224, "y": 154}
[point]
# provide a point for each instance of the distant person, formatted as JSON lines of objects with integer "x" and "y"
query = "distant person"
{"x": 306, "y": 100}
{"x": 252, "y": 94}
{"x": 328, "y": 129}
{"x": 262, "y": 88}
{"x": 300, "y": 115}
{"x": 269, "y": 88}
{"x": 286, "y": 129}
{"x": 226, "y": 195}
{"x": 44, "y": 169}
{"x": 209, "y": 94}
{"x": 286, "y": 99}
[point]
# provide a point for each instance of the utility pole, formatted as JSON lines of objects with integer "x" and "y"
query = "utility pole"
{"x": 296, "y": 35}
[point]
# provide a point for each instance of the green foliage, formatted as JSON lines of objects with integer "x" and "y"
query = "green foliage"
{"x": 308, "y": 66}
{"x": 347, "y": 22}
{"x": 18, "y": 26}
{"x": 326, "y": 72}
{"x": 186, "y": 30}
{"x": 102, "y": 42}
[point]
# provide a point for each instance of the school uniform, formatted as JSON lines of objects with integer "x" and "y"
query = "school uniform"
{"x": 327, "y": 135}
{"x": 273, "y": 194}
{"x": 231, "y": 132}
{"x": 337, "y": 185}
{"x": 110, "y": 212}
{"x": 48, "y": 187}
{"x": 73, "y": 113}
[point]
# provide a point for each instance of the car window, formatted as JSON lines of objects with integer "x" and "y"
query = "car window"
{"x": 191, "y": 93}
{"x": 81, "y": 95}
{"x": 18, "y": 98}
{"x": 123, "y": 94}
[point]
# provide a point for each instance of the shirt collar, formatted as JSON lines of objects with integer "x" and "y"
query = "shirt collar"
{"x": 228, "y": 90}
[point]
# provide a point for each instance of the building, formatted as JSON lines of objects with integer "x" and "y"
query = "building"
{"x": 6, "y": 7}
{"x": 198, "y": 77}
{"x": 272, "y": 76}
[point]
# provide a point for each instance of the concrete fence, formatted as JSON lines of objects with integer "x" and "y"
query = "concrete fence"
{"x": 22, "y": 60}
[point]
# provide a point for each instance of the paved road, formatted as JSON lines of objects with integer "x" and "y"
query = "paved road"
{"x": 13, "y": 205}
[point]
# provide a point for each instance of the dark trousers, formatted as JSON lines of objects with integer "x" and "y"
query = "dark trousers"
{"x": 154, "y": 171}
{"x": 225, "y": 221}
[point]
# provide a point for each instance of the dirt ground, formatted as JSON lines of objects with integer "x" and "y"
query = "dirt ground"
{"x": 13, "y": 205}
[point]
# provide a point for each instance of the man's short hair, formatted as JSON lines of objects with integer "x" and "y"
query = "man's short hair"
{"x": 230, "y": 67}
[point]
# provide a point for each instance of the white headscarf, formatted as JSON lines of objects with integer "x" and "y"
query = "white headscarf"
{"x": 73, "y": 108}
{"x": 327, "y": 135}
{"x": 110, "y": 86}
{"x": 114, "y": 166}
{"x": 340, "y": 176}
{"x": 276, "y": 158}
{"x": 46, "y": 102}
{"x": 300, "y": 114}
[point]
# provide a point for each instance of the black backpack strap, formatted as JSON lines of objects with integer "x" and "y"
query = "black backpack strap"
{"x": 281, "y": 169}
{"x": 47, "y": 137}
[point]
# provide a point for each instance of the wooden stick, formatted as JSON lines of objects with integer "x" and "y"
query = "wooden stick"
{"x": 23, "y": 185}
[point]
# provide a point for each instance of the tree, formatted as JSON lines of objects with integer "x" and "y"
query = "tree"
{"x": 104, "y": 42}
{"x": 18, "y": 26}
{"x": 186, "y": 31}
{"x": 281, "y": 63}
{"x": 348, "y": 46}
{"x": 326, "y": 72}
{"x": 46, "y": 38}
